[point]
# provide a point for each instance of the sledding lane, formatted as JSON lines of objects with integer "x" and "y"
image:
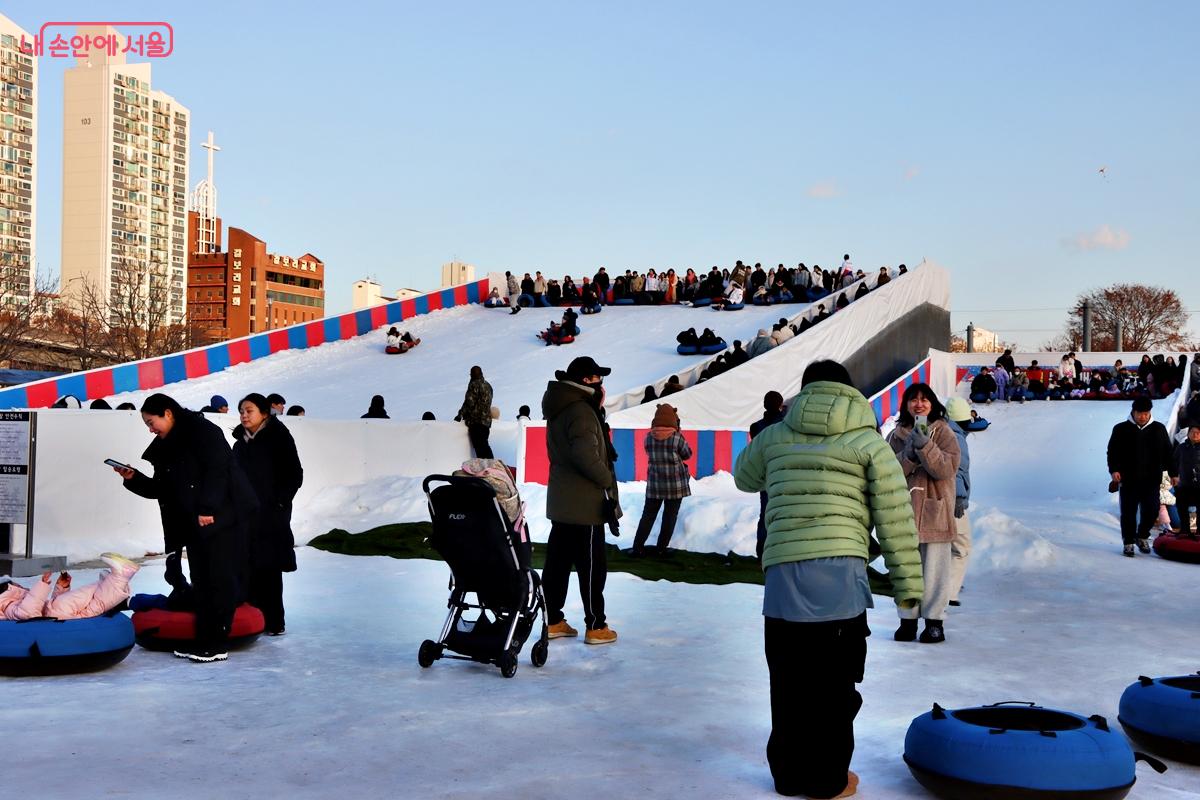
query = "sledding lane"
{"x": 337, "y": 380}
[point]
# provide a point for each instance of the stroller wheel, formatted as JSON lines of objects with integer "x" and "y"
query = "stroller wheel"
{"x": 538, "y": 653}
{"x": 508, "y": 664}
{"x": 429, "y": 652}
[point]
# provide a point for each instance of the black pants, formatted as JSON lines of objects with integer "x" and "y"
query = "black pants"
{"x": 649, "y": 514}
{"x": 814, "y": 667}
{"x": 478, "y": 434}
{"x": 578, "y": 547}
{"x": 1185, "y": 498}
{"x": 215, "y": 566}
{"x": 1134, "y": 499}
{"x": 266, "y": 594}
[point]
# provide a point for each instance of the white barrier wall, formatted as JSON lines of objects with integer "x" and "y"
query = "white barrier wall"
{"x": 72, "y": 445}
{"x": 734, "y": 399}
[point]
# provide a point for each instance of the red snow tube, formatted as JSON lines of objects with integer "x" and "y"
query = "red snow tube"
{"x": 159, "y": 629}
{"x": 1178, "y": 548}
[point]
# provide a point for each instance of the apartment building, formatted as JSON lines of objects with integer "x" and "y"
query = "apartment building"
{"x": 18, "y": 165}
{"x": 125, "y": 178}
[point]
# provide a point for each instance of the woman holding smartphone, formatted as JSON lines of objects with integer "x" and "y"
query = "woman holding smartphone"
{"x": 928, "y": 452}
{"x": 204, "y": 503}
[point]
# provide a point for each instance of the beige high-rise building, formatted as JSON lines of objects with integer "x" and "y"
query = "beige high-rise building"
{"x": 125, "y": 179}
{"x": 18, "y": 165}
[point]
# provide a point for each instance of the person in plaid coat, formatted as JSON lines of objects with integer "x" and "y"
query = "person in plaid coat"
{"x": 667, "y": 480}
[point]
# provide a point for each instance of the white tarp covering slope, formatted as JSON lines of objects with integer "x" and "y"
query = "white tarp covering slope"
{"x": 734, "y": 399}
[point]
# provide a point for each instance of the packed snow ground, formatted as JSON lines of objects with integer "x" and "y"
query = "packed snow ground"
{"x": 337, "y": 380}
{"x": 678, "y": 707}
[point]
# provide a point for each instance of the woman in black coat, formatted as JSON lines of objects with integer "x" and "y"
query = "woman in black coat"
{"x": 205, "y": 506}
{"x": 266, "y": 453}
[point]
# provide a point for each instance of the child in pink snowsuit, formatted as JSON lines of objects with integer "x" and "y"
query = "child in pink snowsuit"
{"x": 18, "y": 603}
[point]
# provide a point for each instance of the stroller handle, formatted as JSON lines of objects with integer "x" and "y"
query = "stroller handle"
{"x": 461, "y": 480}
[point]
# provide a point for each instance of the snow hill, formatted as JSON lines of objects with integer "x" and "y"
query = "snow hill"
{"x": 678, "y": 707}
{"x": 337, "y": 380}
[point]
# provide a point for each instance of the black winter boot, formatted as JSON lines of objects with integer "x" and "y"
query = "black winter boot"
{"x": 933, "y": 633}
{"x": 907, "y": 632}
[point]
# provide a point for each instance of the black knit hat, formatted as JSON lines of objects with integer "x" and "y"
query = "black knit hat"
{"x": 581, "y": 368}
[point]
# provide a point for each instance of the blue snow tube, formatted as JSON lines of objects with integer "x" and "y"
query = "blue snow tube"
{"x": 1163, "y": 715}
{"x": 687, "y": 349}
{"x": 980, "y": 424}
{"x": 701, "y": 301}
{"x": 733, "y": 306}
{"x": 622, "y": 301}
{"x": 1019, "y": 751}
{"x": 47, "y": 646}
{"x": 712, "y": 349}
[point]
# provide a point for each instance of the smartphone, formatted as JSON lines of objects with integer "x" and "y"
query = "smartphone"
{"x": 112, "y": 462}
{"x": 922, "y": 424}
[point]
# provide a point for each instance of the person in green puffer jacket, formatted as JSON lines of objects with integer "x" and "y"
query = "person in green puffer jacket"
{"x": 830, "y": 478}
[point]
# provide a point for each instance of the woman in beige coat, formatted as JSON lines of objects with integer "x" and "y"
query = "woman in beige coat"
{"x": 928, "y": 452}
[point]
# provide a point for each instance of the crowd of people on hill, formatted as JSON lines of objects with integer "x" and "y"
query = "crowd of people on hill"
{"x": 1154, "y": 377}
{"x": 781, "y": 284}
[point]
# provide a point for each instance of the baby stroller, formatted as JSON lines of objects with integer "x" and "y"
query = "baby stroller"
{"x": 479, "y": 529}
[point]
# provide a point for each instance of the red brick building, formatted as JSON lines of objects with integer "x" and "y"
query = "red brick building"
{"x": 247, "y": 289}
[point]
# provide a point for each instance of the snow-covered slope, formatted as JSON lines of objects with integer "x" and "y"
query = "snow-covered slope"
{"x": 337, "y": 380}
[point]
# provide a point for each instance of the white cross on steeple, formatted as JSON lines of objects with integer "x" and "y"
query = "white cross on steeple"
{"x": 211, "y": 146}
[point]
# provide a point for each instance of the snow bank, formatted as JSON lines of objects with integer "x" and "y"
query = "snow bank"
{"x": 1002, "y": 543}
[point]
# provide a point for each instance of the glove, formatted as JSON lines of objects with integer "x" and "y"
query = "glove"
{"x": 918, "y": 439}
{"x": 960, "y": 507}
{"x": 610, "y": 516}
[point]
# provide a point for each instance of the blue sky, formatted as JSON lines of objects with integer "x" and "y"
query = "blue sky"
{"x": 389, "y": 138}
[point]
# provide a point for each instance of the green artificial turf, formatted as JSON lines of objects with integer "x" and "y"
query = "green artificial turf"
{"x": 411, "y": 540}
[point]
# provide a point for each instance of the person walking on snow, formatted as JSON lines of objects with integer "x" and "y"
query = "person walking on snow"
{"x": 266, "y": 452}
{"x": 667, "y": 478}
{"x": 1187, "y": 478}
{"x": 928, "y": 453}
{"x": 1001, "y": 376}
{"x": 476, "y": 413}
{"x": 514, "y": 291}
{"x": 1139, "y": 451}
{"x": 815, "y": 561}
{"x": 773, "y": 411}
{"x": 581, "y": 496}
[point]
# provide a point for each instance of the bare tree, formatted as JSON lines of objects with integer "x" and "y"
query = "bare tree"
{"x": 131, "y": 322}
{"x": 1152, "y": 318}
{"x": 20, "y": 311}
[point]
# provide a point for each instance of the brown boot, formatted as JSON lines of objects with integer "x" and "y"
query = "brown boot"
{"x": 559, "y": 629}
{"x": 851, "y": 785}
{"x": 605, "y": 635}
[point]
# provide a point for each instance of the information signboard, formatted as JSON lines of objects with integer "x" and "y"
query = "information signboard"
{"x": 14, "y": 467}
